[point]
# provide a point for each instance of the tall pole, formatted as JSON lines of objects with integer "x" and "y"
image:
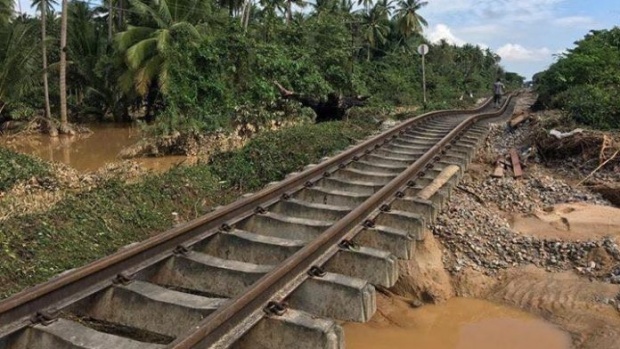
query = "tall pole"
{"x": 423, "y": 80}
{"x": 423, "y": 50}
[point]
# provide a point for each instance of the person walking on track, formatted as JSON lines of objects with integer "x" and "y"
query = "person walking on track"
{"x": 498, "y": 92}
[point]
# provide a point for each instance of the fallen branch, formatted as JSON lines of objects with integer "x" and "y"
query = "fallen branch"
{"x": 476, "y": 196}
{"x": 599, "y": 167}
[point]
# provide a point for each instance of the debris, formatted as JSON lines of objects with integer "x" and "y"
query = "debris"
{"x": 599, "y": 167}
{"x": 516, "y": 165}
{"x": 519, "y": 118}
{"x": 559, "y": 135}
{"x": 499, "y": 168}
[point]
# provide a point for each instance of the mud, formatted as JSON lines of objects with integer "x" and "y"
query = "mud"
{"x": 460, "y": 323}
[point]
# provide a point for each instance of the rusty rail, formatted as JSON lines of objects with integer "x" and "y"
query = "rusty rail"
{"x": 16, "y": 311}
{"x": 261, "y": 292}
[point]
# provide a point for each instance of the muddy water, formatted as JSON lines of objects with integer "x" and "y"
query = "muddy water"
{"x": 87, "y": 152}
{"x": 459, "y": 324}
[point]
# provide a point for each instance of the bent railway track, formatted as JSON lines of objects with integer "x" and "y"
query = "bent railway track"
{"x": 280, "y": 268}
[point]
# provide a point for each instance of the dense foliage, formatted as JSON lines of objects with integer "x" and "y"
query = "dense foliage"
{"x": 193, "y": 64}
{"x": 585, "y": 81}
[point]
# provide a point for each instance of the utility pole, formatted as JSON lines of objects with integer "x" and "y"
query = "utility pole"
{"x": 423, "y": 50}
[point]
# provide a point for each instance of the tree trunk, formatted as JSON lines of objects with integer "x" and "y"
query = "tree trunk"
{"x": 119, "y": 15}
{"x": 289, "y": 12}
{"x": 64, "y": 124}
{"x": 110, "y": 20}
{"x": 248, "y": 11}
{"x": 46, "y": 90}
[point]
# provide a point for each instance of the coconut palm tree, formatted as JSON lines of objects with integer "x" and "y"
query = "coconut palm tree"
{"x": 143, "y": 45}
{"x": 289, "y": 8}
{"x": 375, "y": 28}
{"x": 44, "y": 7}
{"x": 367, "y": 4}
{"x": 17, "y": 61}
{"x": 409, "y": 21}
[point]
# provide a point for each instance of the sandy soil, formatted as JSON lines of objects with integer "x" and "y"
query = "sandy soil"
{"x": 570, "y": 221}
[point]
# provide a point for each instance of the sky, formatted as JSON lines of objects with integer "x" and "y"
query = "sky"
{"x": 527, "y": 34}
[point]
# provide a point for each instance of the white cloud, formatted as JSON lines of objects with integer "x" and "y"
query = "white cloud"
{"x": 516, "y": 52}
{"x": 572, "y": 21}
{"x": 485, "y": 29}
{"x": 505, "y": 10}
{"x": 443, "y": 32}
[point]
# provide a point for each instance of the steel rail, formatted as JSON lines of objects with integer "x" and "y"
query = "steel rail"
{"x": 262, "y": 291}
{"x": 84, "y": 281}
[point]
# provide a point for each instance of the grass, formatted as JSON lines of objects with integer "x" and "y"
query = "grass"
{"x": 86, "y": 226}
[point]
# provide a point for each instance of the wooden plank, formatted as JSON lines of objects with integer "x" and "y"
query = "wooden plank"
{"x": 499, "y": 168}
{"x": 516, "y": 165}
{"x": 518, "y": 119}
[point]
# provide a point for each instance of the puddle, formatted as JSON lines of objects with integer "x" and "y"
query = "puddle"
{"x": 461, "y": 323}
{"x": 88, "y": 152}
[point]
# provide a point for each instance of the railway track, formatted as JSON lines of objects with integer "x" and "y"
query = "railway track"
{"x": 281, "y": 268}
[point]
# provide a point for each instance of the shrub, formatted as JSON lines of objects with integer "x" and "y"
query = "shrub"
{"x": 16, "y": 167}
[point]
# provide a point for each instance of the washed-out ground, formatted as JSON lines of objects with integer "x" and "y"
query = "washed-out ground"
{"x": 539, "y": 243}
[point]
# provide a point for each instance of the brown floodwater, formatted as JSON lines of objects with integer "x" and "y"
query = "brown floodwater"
{"x": 461, "y": 323}
{"x": 88, "y": 152}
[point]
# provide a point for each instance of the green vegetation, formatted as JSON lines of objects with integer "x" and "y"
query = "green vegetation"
{"x": 15, "y": 168}
{"x": 90, "y": 225}
{"x": 585, "y": 81}
{"x": 192, "y": 65}
{"x": 270, "y": 156}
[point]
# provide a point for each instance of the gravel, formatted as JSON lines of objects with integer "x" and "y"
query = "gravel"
{"x": 476, "y": 235}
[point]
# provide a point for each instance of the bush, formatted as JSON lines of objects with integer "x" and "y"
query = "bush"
{"x": 591, "y": 105}
{"x": 584, "y": 81}
{"x": 271, "y": 155}
{"x": 16, "y": 167}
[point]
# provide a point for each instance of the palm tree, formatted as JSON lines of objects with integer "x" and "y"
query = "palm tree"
{"x": 289, "y": 8}
{"x": 409, "y": 21}
{"x": 375, "y": 28}
{"x": 17, "y": 61}
{"x": 143, "y": 47}
{"x": 44, "y": 6}
{"x": 367, "y": 4}
{"x": 64, "y": 124}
